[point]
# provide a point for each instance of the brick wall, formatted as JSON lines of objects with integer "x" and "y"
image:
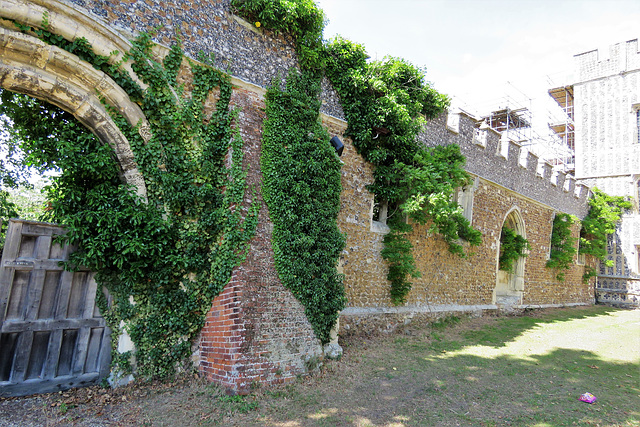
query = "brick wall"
{"x": 256, "y": 331}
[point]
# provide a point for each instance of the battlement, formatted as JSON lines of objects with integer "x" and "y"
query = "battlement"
{"x": 621, "y": 58}
{"x": 506, "y": 163}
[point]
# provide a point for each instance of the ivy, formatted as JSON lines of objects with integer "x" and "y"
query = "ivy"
{"x": 398, "y": 252}
{"x": 301, "y": 187}
{"x": 512, "y": 247}
{"x": 602, "y": 219}
{"x": 163, "y": 259}
{"x": 563, "y": 246}
{"x": 302, "y": 19}
{"x": 386, "y": 104}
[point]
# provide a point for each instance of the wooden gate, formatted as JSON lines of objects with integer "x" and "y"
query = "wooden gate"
{"x": 52, "y": 336}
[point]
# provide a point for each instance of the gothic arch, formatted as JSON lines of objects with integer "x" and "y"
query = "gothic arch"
{"x": 510, "y": 285}
{"x": 32, "y": 67}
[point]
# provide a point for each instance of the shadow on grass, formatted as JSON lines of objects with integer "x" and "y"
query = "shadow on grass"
{"x": 467, "y": 390}
{"x": 407, "y": 381}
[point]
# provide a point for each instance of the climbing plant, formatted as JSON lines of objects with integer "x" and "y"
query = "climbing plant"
{"x": 301, "y": 187}
{"x": 512, "y": 247}
{"x": 165, "y": 258}
{"x": 386, "y": 104}
{"x": 602, "y": 219}
{"x": 563, "y": 246}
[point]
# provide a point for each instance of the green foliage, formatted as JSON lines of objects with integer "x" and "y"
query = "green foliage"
{"x": 302, "y": 19}
{"x": 563, "y": 246}
{"x": 604, "y": 214}
{"x": 29, "y": 199}
{"x": 163, "y": 259}
{"x": 386, "y": 103}
{"x": 512, "y": 247}
{"x": 398, "y": 252}
{"x": 7, "y": 210}
{"x": 302, "y": 190}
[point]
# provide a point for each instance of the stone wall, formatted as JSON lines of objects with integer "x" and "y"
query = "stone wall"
{"x": 607, "y": 95}
{"x": 256, "y": 331}
{"x": 450, "y": 284}
{"x": 238, "y": 47}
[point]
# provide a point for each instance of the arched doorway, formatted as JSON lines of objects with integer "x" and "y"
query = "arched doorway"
{"x": 34, "y": 68}
{"x": 510, "y": 283}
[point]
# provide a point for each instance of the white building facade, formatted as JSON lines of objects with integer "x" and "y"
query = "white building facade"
{"x": 603, "y": 122}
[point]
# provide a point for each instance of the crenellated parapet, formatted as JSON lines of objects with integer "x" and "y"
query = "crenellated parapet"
{"x": 507, "y": 163}
{"x": 623, "y": 57}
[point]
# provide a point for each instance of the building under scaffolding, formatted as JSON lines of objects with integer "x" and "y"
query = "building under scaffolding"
{"x": 565, "y": 129}
{"x": 515, "y": 124}
{"x": 514, "y": 121}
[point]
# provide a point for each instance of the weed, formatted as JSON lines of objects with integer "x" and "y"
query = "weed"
{"x": 445, "y": 322}
{"x": 238, "y": 404}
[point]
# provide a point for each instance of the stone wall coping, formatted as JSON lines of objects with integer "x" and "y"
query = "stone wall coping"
{"x": 621, "y": 58}
{"x": 416, "y": 308}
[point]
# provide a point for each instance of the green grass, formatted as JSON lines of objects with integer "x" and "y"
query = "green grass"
{"x": 520, "y": 371}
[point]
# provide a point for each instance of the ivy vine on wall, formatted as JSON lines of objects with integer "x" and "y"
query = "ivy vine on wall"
{"x": 301, "y": 187}
{"x": 386, "y": 104}
{"x": 602, "y": 219}
{"x": 302, "y": 19}
{"x": 563, "y": 246}
{"x": 512, "y": 247}
{"x": 163, "y": 260}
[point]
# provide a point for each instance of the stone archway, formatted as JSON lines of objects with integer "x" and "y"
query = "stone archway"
{"x": 510, "y": 284}
{"x": 32, "y": 67}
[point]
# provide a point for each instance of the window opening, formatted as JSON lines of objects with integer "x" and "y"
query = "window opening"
{"x": 638, "y": 126}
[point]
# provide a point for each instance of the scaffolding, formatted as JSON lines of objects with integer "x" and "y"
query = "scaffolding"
{"x": 512, "y": 117}
{"x": 564, "y": 129}
{"x": 514, "y": 123}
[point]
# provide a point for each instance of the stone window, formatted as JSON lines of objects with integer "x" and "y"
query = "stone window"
{"x": 464, "y": 197}
{"x": 637, "y": 139}
{"x": 379, "y": 212}
{"x": 637, "y": 192}
{"x": 635, "y": 109}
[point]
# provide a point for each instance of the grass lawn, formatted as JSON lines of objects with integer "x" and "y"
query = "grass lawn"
{"x": 524, "y": 371}
{"x": 489, "y": 371}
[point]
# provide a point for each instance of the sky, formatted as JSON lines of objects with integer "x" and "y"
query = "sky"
{"x": 488, "y": 53}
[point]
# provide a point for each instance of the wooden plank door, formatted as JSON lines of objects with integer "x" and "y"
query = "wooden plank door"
{"x": 52, "y": 336}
